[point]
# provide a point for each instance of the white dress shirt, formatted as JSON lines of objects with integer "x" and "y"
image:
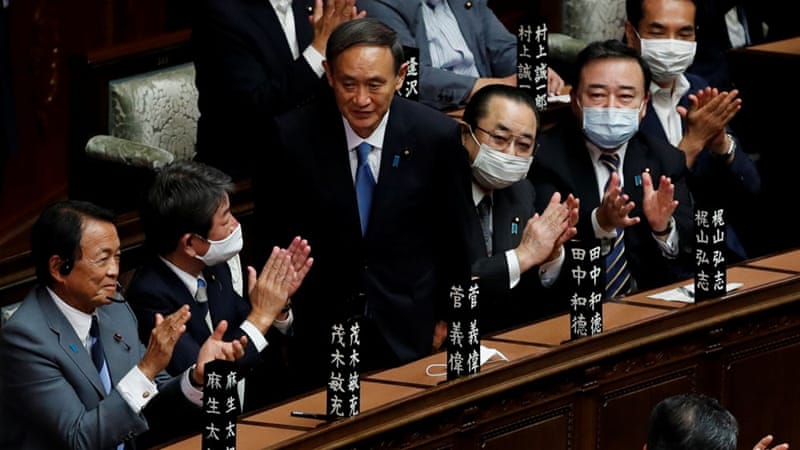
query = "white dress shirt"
{"x": 375, "y": 140}
{"x": 283, "y": 9}
{"x": 665, "y": 103}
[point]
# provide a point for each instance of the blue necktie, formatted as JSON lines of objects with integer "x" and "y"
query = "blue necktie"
{"x": 365, "y": 183}
{"x": 99, "y": 360}
{"x": 98, "y": 356}
{"x": 618, "y": 276}
{"x": 201, "y": 302}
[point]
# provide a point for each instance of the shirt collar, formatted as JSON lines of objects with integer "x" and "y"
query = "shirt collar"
{"x": 596, "y": 151}
{"x": 375, "y": 139}
{"x": 676, "y": 91}
{"x": 186, "y": 278}
{"x": 478, "y": 192}
{"x": 281, "y": 6}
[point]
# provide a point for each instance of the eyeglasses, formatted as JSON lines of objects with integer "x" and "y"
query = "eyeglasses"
{"x": 501, "y": 141}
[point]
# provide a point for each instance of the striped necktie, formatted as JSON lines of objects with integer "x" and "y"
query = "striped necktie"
{"x": 618, "y": 276}
{"x": 485, "y": 216}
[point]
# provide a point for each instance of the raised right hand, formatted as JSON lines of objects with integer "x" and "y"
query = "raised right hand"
{"x": 765, "y": 442}
{"x": 269, "y": 291}
{"x": 162, "y": 341}
{"x": 325, "y": 19}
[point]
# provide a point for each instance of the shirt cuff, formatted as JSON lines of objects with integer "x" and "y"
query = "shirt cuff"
{"x": 599, "y": 232}
{"x": 254, "y": 334}
{"x": 191, "y": 393}
{"x": 314, "y": 59}
{"x": 284, "y": 325}
{"x": 512, "y": 261}
{"x": 669, "y": 246}
{"x": 136, "y": 389}
{"x": 550, "y": 270}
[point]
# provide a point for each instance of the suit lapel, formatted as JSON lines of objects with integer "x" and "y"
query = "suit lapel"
{"x": 507, "y": 220}
{"x": 465, "y": 18}
{"x": 68, "y": 341}
{"x": 181, "y": 296}
{"x": 581, "y": 160}
{"x": 303, "y": 29}
{"x": 399, "y": 147}
{"x": 218, "y": 304}
{"x": 635, "y": 163}
{"x": 332, "y": 171}
{"x": 265, "y": 18}
{"x": 116, "y": 353}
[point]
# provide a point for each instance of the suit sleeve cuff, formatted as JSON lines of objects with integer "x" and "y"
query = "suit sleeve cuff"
{"x": 136, "y": 389}
{"x": 284, "y": 325}
{"x": 314, "y": 59}
{"x": 599, "y": 232}
{"x": 191, "y": 393}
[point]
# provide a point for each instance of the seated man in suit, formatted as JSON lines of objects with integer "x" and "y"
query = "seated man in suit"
{"x": 74, "y": 375}
{"x": 372, "y": 181}
{"x": 192, "y": 233}
{"x": 461, "y": 49}
{"x": 632, "y": 187}
{"x": 513, "y": 249}
{"x": 692, "y": 116}
{"x": 696, "y": 422}
{"x": 254, "y": 60}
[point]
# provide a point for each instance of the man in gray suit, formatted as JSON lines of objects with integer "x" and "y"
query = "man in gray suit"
{"x": 463, "y": 46}
{"x": 74, "y": 374}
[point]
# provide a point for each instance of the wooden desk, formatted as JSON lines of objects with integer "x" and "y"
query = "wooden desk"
{"x": 788, "y": 47}
{"x": 789, "y": 261}
{"x": 591, "y": 393}
{"x": 766, "y": 76}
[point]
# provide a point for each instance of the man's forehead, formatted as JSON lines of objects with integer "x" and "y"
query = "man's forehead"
{"x": 99, "y": 236}
{"x": 612, "y": 73}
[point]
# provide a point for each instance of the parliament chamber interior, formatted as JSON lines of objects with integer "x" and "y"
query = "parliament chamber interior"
{"x": 62, "y": 63}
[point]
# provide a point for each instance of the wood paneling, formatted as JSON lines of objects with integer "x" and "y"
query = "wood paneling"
{"x": 595, "y": 393}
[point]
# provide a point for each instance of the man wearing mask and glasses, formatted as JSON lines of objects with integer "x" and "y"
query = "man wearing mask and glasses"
{"x": 632, "y": 187}
{"x": 691, "y": 115}
{"x": 507, "y": 238}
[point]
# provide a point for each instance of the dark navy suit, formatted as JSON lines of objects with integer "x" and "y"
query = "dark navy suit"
{"x": 245, "y": 75}
{"x": 502, "y": 307}
{"x": 155, "y": 288}
{"x": 564, "y": 164}
{"x": 714, "y": 183}
{"x": 399, "y": 272}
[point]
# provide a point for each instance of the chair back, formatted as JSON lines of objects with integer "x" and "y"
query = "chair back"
{"x": 156, "y": 108}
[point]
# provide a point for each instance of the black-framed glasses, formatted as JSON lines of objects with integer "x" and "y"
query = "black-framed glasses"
{"x": 501, "y": 141}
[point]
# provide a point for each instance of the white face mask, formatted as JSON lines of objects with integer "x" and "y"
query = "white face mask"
{"x": 667, "y": 58}
{"x": 224, "y": 249}
{"x": 487, "y": 355}
{"x": 494, "y": 169}
{"x": 609, "y": 128}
